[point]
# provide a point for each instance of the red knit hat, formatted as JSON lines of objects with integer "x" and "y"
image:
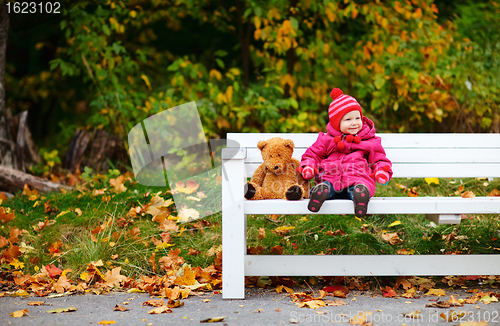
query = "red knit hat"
{"x": 341, "y": 105}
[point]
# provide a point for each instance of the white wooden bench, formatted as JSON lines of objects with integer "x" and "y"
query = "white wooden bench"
{"x": 412, "y": 155}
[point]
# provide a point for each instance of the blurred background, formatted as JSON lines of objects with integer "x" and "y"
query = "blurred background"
{"x": 77, "y": 83}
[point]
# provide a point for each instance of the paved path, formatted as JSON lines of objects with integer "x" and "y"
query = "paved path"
{"x": 261, "y": 307}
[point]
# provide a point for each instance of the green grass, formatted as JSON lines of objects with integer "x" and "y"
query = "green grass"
{"x": 310, "y": 233}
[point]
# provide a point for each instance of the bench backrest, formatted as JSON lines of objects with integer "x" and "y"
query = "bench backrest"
{"x": 413, "y": 155}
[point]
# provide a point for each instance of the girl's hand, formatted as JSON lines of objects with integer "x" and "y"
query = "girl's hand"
{"x": 382, "y": 177}
{"x": 308, "y": 172}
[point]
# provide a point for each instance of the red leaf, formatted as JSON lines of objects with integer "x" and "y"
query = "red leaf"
{"x": 389, "y": 292}
{"x": 53, "y": 270}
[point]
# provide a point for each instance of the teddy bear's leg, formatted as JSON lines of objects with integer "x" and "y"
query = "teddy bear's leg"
{"x": 256, "y": 192}
{"x": 250, "y": 190}
{"x": 295, "y": 192}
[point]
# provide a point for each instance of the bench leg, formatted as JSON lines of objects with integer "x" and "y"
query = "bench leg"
{"x": 444, "y": 218}
{"x": 233, "y": 231}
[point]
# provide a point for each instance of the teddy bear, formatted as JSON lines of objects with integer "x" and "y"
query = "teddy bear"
{"x": 277, "y": 176}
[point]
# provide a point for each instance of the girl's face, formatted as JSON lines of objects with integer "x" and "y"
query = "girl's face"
{"x": 351, "y": 123}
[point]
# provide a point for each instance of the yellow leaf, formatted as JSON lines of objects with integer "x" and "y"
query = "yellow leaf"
{"x": 213, "y": 319}
{"x": 188, "y": 214}
{"x": 62, "y": 213}
{"x": 164, "y": 245}
{"x": 59, "y": 310}
{"x": 395, "y": 223}
{"x": 285, "y": 228}
{"x": 146, "y": 80}
{"x": 313, "y": 304}
{"x": 432, "y": 180}
{"x": 190, "y": 186}
{"x": 215, "y": 74}
{"x": 133, "y": 13}
{"x": 19, "y": 313}
{"x": 106, "y": 322}
{"x": 21, "y": 293}
{"x": 84, "y": 275}
{"x": 438, "y": 292}
{"x": 17, "y": 264}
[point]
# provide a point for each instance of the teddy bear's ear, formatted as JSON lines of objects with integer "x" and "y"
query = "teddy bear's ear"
{"x": 289, "y": 143}
{"x": 261, "y": 144}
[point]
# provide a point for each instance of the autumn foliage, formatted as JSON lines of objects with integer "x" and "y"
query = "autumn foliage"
{"x": 413, "y": 65}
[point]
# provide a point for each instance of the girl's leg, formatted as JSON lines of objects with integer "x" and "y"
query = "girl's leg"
{"x": 360, "y": 195}
{"x": 319, "y": 194}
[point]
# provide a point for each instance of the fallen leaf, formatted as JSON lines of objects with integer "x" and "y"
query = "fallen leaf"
{"x": 172, "y": 261}
{"x": 154, "y": 303}
{"x": 175, "y": 303}
{"x": 388, "y": 292}
{"x": 360, "y": 318}
{"x": 118, "y": 184}
{"x": 188, "y": 214}
{"x": 438, "y": 292}
{"x": 432, "y": 180}
{"x": 280, "y": 288}
{"x": 488, "y": 299}
{"x": 394, "y": 223}
{"x": 107, "y": 322}
{"x": 59, "y": 310}
{"x": 190, "y": 187}
{"x": 32, "y": 194}
{"x": 36, "y": 303}
{"x": 53, "y": 270}
{"x": 468, "y": 194}
{"x": 313, "y": 304}
{"x": 19, "y": 313}
{"x": 392, "y": 238}
{"x": 277, "y": 250}
{"x": 336, "y": 303}
{"x": 6, "y": 215}
{"x": 412, "y": 192}
{"x": 262, "y": 233}
{"x": 113, "y": 277}
{"x": 160, "y": 310}
{"x": 282, "y": 230}
{"x": 62, "y": 284}
{"x": 120, "y": 308}
{"x": 213, "y": 319}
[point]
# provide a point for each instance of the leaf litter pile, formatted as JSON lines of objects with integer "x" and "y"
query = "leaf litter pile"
{"x": 111, "y": 234}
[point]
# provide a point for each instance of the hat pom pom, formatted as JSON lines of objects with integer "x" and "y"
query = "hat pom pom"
{"x": 357, "y": 139}
{"x": 336, "y": 139}
{"x": 341, "y": 145}
{"x": 349, "y": 138}
{"x": 336, "y": 92}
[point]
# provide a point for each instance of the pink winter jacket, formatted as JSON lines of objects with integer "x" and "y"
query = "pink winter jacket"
{"x": 351, "y": 165}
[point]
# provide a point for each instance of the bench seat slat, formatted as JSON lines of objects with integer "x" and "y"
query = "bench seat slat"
{"x": 405, "y": 155}
{"x": 417, "y": 170}
{"x": 381, "y": 205}
{"x": 403, "y": 140}
{"x": 369, "y": 265}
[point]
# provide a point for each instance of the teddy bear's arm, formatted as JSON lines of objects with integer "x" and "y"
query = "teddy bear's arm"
{"x": 259, "y": 175}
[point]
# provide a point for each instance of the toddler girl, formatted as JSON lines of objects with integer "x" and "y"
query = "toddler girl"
{"x": 346, "y": 160}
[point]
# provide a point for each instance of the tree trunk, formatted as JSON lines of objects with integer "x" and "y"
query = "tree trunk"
{"x": 14, "y": 180}
{"x": 7, "y": 143}
{"x": 244, "y": 36}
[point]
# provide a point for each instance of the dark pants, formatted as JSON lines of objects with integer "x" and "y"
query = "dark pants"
{"x": 346, "y": 193}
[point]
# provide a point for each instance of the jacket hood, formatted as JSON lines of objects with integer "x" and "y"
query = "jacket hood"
{"x": 366, "y": 132}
